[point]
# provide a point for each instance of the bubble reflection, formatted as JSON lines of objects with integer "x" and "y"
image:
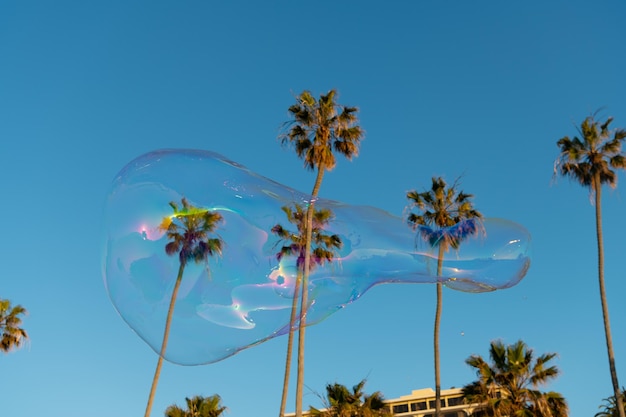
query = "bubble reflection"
{"x": 244, "y": 297}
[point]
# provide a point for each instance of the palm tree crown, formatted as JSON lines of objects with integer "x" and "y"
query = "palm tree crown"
{"x": 439, "y": 209}
{"x": 188, "y": 231}
{"x": 341, "y": 402}
{"x": 198, "y": 406}
{"x": 295, "y": 245}
{"x": 13, "y": 336}
{"x": 319, "y": 126}
{"x": 592, "y": 160}
{"x": 508, "y": 385}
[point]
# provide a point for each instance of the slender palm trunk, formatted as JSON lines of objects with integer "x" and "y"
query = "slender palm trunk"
{"x": 605, "y": 307}
{"x": 305, "y": 283}
{"x": 168, "y": 322}
{"x": 292, "y": 323}
{"x": 436, "y": 336}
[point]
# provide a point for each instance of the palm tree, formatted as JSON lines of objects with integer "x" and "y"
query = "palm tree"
{"x": 593, "y": 161}
{"x": 439, "y": 209}
{"x": 10, "y": 321}
{"x": 189, "y": 232}
{"x": 508, "y": 385}
{"x": 295, "y": 246}
{"x": 610, "y": 408}
{"x": 341, "y": 402}
{"x": 198, "y": 406}
{"x": 318, "y": 127}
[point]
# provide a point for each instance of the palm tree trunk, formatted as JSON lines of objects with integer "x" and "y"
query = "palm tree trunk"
{"x": 305, "y": 284}
{"x": 292, "y": 322}
{"x": 597, "y": 186}
{"x": 168, "y": 322}
{"x": 436, "y": 336}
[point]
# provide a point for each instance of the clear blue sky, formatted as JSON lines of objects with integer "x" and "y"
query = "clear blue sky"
{"x": 482, "y": 90}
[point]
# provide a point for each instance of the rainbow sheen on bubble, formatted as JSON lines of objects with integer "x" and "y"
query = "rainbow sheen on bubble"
{"x": 244, "y": 297}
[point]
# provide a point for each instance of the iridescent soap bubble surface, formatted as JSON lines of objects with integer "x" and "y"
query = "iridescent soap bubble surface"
{"x": 244, "y": 297}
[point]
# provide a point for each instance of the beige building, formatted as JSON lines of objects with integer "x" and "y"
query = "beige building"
{"x": 421, "y": 403}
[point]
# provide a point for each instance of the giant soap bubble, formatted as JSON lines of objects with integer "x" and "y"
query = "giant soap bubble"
{"x": 244, "y": 297}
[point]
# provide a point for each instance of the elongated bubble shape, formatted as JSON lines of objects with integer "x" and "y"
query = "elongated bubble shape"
{"x": 244, "y": 297}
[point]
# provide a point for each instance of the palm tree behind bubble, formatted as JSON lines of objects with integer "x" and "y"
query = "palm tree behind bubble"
{"x": 318, "y": 128}
{"x": 323, "y": 247}
{"x": 189, "y": 231}
{"x": 445, "y": 217}
{"x": 593, "y": 160}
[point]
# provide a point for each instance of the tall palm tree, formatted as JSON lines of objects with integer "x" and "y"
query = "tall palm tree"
{"x": 198, "y": 406}
{"x": 610, "y": 408}
{"x": 593, "y": 160}
{"x": 189, "y": 230}
{"x": 10, "y": 321}
{"x": 508, "y": 385}
{"x": 341, "y": 402}
{"x": 295, "y": 245}
{"x": 439, "y": 209}
{"x": 318, "y": 127}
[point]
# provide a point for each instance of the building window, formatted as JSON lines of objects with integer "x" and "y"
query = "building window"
{"x": 456, "y": 414}
{"x": 459, "y": 413}
{"x": 455, "y": 401}
{"x": 431, "y": 404}
{"x": 418, "y": 406}
{"x": 401, "y": 408}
